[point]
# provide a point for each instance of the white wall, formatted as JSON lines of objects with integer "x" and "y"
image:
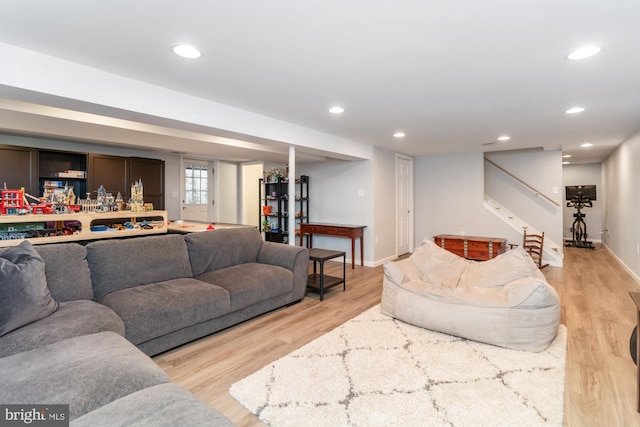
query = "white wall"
{"x": 342, "y": 192}
{"x": 449, "y": 199}
{"x": 227, "y": 192}
{"x": 621, "y": 182}
{"x": 541, "y": 170}
{"x": 384, "y": 204}
{"x": 250, "y": 175}
{"x": 584, "y": 174}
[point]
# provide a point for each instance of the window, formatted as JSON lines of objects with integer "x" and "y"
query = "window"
{"x": 196, "y": 177}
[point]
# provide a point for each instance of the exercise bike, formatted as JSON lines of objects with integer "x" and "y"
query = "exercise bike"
{"x": 579, "y": 227}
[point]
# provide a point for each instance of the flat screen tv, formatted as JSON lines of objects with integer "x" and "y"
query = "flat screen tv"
{"x": 573, "y": 192}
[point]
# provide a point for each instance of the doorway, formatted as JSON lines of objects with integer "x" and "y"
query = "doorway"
{"x": 404, "y": 204}
{"x": 196, "y": 188}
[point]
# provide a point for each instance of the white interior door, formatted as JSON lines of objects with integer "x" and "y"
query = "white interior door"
{"x": 404, "y": 202}
{"x": 196, "y": 190}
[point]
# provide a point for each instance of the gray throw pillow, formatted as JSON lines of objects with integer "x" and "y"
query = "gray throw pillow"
{"x": 24, "y": 295}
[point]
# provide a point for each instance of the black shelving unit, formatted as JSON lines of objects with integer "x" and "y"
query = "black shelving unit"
{"x": 52, "y": 163}
{"x": 275, "y": 195}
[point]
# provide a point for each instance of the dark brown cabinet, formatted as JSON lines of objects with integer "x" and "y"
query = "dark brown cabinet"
{"x": 151, "y": 172}
{"x": 117, "y": 174}
{"x": 112, "y": 172}
{"x": 36, "y": 169}
{"x": 18, "y": 168}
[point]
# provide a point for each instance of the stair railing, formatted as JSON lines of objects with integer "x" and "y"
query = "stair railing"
{"x": 536, "y": 192}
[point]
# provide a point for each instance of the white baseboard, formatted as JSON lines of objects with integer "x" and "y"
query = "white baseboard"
{"x": 622, "y": 264}
{"x": 366, "y": 263}
{"x": 384, "y": 260}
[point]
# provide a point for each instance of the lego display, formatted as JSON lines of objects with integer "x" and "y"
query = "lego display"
{"x": 57, "y": 217}
{"x": 58, "y": 198}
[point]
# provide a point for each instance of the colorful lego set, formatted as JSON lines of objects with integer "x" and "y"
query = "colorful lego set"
{"x": 63, "y": 200}
{"x": 22, "y": 219}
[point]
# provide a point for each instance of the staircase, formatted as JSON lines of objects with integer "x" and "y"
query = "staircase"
{"x": 552, "y": 252}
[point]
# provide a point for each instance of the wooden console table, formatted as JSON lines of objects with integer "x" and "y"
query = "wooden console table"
{"x": 341, "y": 230}
{"x": 470, "y": 247}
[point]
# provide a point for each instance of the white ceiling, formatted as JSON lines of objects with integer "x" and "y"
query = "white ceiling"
{"x": 452, "y": 74}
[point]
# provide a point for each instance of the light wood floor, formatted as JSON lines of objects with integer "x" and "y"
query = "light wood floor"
{"x": 600, "y": 375}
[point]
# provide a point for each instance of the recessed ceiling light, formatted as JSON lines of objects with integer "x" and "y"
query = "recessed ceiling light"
{"x": 504, "y": 138}
{"x": 586, "y": 145}
{"x": 584, "y": 52}
{"x": 187, "y": 51}
{"x": 574, "y": 110}
{"x": 336, "y": 110}
{"x": 566, "y": 163}
{"x": 399, "y": 135}
{"x": 566, "y": 156}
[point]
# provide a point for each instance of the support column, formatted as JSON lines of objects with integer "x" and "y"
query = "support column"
{"x": 292, "y": 196}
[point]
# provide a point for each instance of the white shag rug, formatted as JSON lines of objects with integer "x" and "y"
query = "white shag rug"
{"x": 377, "y": 371}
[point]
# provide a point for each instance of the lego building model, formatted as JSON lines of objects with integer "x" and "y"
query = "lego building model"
{"x": 136, "y": 201}
{"x": 13, "y": 202}
{"x": 62, "y": 199}
{"x": 56, "y": 217}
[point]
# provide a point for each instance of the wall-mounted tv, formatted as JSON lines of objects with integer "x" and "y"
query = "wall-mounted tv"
{"x": 573, "y": 192}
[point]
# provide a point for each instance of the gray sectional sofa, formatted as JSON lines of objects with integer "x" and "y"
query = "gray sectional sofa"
{"x": 100, "y": 308}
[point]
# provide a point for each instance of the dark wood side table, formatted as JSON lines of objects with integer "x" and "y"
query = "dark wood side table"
{"x": 320, "y": 280}
{"x": 341, "y": 230}
{"x": 635, "y": 296}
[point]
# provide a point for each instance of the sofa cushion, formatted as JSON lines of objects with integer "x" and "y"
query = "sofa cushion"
{"x": 506, "y": 267}
{"x": 72, "y": 319}
{"x": 120, "y": 264}
{"x": 85, "y": 372}
{"x": 156, "y": 309}
{"x": 67, "y": 271}
{"x": 213, "y": 250}
{"x": 59, "y": 259}
{"x": 438, "y": 265}
{"x": 163, "y": 405}
{"x": 251, "y": 283}
{"x": 24, "y": 295}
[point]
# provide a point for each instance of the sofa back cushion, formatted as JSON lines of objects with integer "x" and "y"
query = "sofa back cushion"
{"x": 24, "y": 296}
{"x": 120, "y": 264}
{"x": 212, "y": 250}
{"x": 66, "y": 270}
